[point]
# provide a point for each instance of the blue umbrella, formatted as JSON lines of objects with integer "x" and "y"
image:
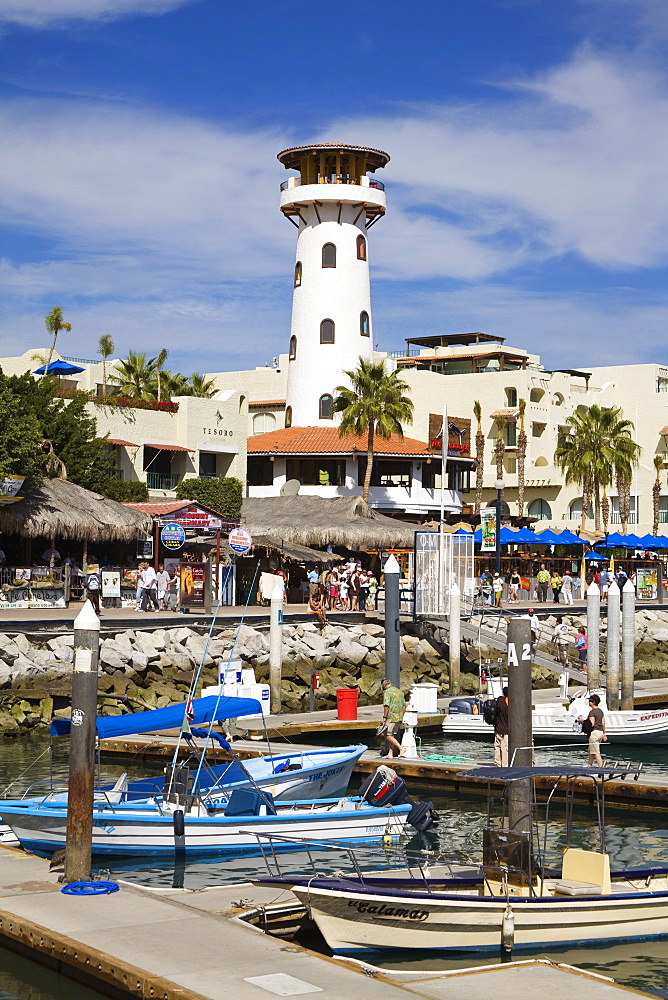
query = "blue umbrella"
{"x": 598, "y": 556}
{"x": 461, "y": 531}
{"x": 659, "y": 543}
{"x": 569, "y": 538}
{"x": 647, "y": 540}
{"x": 525, "y": 535}
{"x": 547, "y": 537}
{"x": 59, "y": 368}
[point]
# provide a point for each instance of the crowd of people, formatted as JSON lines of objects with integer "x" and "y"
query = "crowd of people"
{"x": 348, "y": 588}
{"x": 551, "y": 586}
{"x": 156, "y": 591}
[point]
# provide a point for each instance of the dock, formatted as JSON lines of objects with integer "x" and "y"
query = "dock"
{"x": 195, "y": 945}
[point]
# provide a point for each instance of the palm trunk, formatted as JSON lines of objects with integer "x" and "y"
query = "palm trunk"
{"x": 521, "y": 454}
{"x": 597, "y": 505}
{"x": 605, "y": 510}
{"x": 586, "y": 502}
{"x": 499, "y": 452}
{"x": 480, "y": 471}
{"x": 369, "y": 462}
{"x": 104, "y": 377}
{"x": 656, "y": 496}
{"x": 53, "y": 347}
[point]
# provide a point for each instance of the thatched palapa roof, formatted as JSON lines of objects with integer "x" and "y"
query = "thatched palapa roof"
{"x": 58, "y": 508}
{"x": 316, "y": 521}
{"x": 291, "y": 552}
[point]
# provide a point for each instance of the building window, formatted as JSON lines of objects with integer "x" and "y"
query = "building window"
{"x": 317, "y": 471}
{"x": 288, "y": 416}
{"x": 207, "y": 464}
{"x": 459, "y": 476}
{"x": 511, "y": 397}
{"x": 541, "y": 509}
{"x": 327, "y": 331}
{"x": 298, "y": 274}
{"x": 386, "y": 473}
{"x": 536, "y": 395}
{"x": 633, "y": 511}
{"x": 663, "y": 510}
{"x": 361, "y": 248}
{"x": 293, "y": 348}
{"x": 575, "y": 510}
{"x": 537, "y": 429}
{"x": 263, "y": 422}
{"x": 511, "y": 434}
{"x": 510, "y": 464}
{"x": 260, "y": 472}
{"x": 326, "y": 407}
{"x": 329, "y": 255}
{"x": 364, "y": 324}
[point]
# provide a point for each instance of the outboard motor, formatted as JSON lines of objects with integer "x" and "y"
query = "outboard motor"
{"x": 178, "y": 786}
{"x": 385, "y": 788}
{"x": 465, "y": 706}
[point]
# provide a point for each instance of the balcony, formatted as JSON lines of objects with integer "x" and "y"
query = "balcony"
{"x": 161, "y": 480}
{"x": 332, "y": 179}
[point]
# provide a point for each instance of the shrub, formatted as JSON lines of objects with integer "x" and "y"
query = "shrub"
{"x": 164, "y": 405}
{"x": 222, "y": 495}
{"x": 124, "y": 492}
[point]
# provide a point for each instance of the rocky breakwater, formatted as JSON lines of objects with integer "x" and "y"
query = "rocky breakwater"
{"x": 146, "y": 669}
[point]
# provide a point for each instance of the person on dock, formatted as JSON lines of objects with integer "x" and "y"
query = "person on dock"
{"x": 604, "y": 584}
{"x": 581, "y": 644}
{"x": 534, "y": 624}
{"x": 313, "y": 582}
{"x": 515, "y": 584}
{"x": 316, "y": 604}
{"x": 561, "y": 638}
{"x": 597, "y": 735}
{"x": 542, "y": 583}
{"x": 555, "y": 584}
{"x": 497, "y": 587}
{"x": 501, "y": 730}
{"x": 567, "y": 587}
{"x": 393, "y": 712}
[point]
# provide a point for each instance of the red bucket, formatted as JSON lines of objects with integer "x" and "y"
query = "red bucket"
{"x": 346, "y": 703}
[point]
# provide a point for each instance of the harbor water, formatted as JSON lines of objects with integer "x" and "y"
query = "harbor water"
{"x": 632, "y": 839}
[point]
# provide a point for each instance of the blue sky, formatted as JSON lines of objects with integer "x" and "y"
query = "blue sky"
{"x": 527, "y": 192}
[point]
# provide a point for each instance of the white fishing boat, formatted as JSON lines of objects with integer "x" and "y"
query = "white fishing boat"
{"x": 186, "y": 825}
{"x": 502, "y": 905}
{"x": 556, "y": 721}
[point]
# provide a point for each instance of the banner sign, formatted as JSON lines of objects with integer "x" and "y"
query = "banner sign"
{"x": 459, "y": 434}
{"x": 240, "y": 541}
{"x": 193, "y": 580}
{"x": 194, "y": 516}
{"x": 488, "y": 529}
{"x": 111, "y": 583}
{"x": 173, "y": 536}
{"x": 9, "y": 488}
{"x": 647, "y": 584}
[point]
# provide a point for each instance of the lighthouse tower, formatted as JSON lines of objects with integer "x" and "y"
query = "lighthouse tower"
{"x": 333, "y": 203}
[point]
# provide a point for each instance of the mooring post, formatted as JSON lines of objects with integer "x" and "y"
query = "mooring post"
{"x": 455, "y": 637}
{"x": 276, "y": 646}
{"x": 392, "y": 633}
{"x": 612, "y": 647}
{"x": 81, "y": 780}
{"x": 628, "y": 645}
{"x": 518, "y": 651}
{"x": 593, "y": 630}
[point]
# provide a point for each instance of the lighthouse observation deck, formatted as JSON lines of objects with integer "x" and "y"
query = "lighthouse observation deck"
{"x": 333, "y": 173}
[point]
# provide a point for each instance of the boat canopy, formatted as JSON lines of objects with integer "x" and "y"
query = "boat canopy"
{"x": 204, "y": 710}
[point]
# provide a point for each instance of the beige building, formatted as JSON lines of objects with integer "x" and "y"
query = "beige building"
{"x": 188, "y": 438}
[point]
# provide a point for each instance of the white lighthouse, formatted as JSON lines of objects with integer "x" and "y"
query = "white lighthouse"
{"x": 333, "y": 203}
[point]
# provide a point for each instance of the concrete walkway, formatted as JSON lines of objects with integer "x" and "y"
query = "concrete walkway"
{"x": 190, "y": 945}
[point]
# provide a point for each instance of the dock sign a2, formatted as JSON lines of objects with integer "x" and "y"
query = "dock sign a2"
{"x": 173, "y": 536}
{"x": 239, "y": 541}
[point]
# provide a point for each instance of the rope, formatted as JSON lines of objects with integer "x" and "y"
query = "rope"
{"x": 90, "y": 888}
{"x": 4, "y": 794}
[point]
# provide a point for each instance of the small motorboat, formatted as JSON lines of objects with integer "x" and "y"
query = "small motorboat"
{"x": 513, "y": 900}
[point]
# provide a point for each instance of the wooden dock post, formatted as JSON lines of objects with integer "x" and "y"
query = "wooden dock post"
{"x": 612, "y": 647}
{"x": 593, "y": 632}
{"x": 82, "y": 746}
{"x": 455, "y": 637}
{"x": 392, "y": 633}
{"x": 520, "y": 733}
{"x": 276, "y": 646}
{"x": 628, "y": 645}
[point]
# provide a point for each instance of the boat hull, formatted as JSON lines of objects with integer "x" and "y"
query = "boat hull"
{"x": 464, "y": 922}
{"x": 137, "y": 831}
{"x": 637, "y": 728}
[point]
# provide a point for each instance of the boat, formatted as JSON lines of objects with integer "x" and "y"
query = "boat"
{"x": 557, "y": 721}
{"x": 181, "y": 823}
{"x": 511, "y": 901}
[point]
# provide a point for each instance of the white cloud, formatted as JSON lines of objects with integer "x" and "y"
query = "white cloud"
{"x": 43, "y": 13}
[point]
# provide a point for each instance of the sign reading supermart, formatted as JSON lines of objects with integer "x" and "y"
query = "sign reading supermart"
{"x": 195, "y": 517}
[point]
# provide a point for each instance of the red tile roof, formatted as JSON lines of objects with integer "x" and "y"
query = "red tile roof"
{"x": 168, "y": 447}
{"x": 326, "y": 441}
{"x": 664, "y": 430}
{"x": 126, "y": 444}
{"x": 257, "y": 403}
{"x": 159, "y": 506}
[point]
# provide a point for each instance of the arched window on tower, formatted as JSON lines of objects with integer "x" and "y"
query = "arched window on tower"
{"x": 288, "y": 416}
{"x": 326, "y": 407}
{"x": 361, "y": 248}
{"x": 293, "y": 348}
{"x": 298, "y": 274}
{"x": 364, "y": 324}
{"x": 329, "y": 255}
{"x": 327, "y": 331}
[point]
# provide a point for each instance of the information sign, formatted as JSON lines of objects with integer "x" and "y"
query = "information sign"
{"x": 173, "y": 536}
{"x": 239, "y": 541}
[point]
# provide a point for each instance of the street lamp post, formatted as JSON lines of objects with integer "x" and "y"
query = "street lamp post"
{"x": 500, "y": 486}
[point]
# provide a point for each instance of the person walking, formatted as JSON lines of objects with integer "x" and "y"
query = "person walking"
{"x": 555, "y": 584}
{"x": 515, "y": 584}
{"x": 567, "y": 587}
{"x": 162, "y": 581}
{"x": 373, "y": 590}
{"x": 501, "y": 730}
{"x": 561, "y": 638}
{"x": 497, "y": 587}
{"x": 313, "y": 581}
{"x": 93, "y": 585}
{"x": 582, "y": 644}
{"x": 364, "y": 589}
{"x": 604, "y": 583}
{"x": 597, "y": 735}
{"x": 534, "y": 624}
{"x": 171, "y": 597}
{"x": 393, "y": 712}
{"x": 150, "y": 591}
{"x": 486, "y": 587}
{"x": 543, "y": 582}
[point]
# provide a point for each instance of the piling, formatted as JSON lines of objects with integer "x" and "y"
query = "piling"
{"x": 392, "y": 634}
{"x": 276, "y": 646}
{"x": 593, "y": 632}
{"x": 628, "y": 644}
{"x": 455, "y": 637}
{"x": 612, "y": 647}
{"x": 520, "y": 738}
{"x": 82, "y": 746}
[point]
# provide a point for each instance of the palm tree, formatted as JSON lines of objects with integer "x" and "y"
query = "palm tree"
{"x": 172, "y": 384}
{"x": 656, "y": 494}
{"x": 605, "y": 508}
{"x": 199, "y": 386}
{"x": 499, "y": 445}
{"x": 521, "y": 455}
{"x": 54, "y": 323}
{"x": 159, "y": 364}
{"x": 479, "y": 455}
{"x": 374, "y": 404}
{"x": 598, "y": 448}
{"x": 105, "y": 346}
{"x": 135, "y": 377}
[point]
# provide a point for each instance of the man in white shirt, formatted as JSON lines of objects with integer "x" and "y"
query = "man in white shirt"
{"x": 150, "y": 591}
{"x": 561, "y": 638}
{"x": 534, "y": 621}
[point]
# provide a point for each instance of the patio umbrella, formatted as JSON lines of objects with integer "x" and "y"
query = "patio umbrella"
{"x": 526, "y": 535}
{"x": 59, "y": 367}
{"x": 598, "y": 556}
{"x": 460, "y": 531}
{"x": 547, "y": 537}
{"x": 647, "y": 540}
{"x": 569, "y": 538}
{"x": 659, "y": 543}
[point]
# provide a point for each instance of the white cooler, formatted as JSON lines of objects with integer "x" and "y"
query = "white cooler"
{"x": 424, "y": 698}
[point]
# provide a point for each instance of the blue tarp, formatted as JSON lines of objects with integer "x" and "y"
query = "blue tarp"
{"x": 205, "y": 710}
{"x": 617, "y": 541}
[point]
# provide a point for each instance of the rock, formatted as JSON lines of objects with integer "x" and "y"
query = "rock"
{"x": 658, "y": 631}
{"x": 411, "y": 643}
{"x": 23, "y": 644}
{"x": 431, "y": 655}
{"x": 65, "y": 654}
{"x": 150, "y": 644}
{"x": 43, "y": 657}
{"x": 22, "y": 668}
{"x": 179, "y": 635}
{"x": 181, "y": 660}
{"x": 139, "y": 661}
{"x": 9, "y": 651}
{"x": 371, "y": 629}
{"x": 111, "y": 661}
{"x": 195, "y": 647}
{"x": 9, "y": 726}
{"x": 46, "y": 709}
{"x": 5, "y": 675}
{"x": 350, "y": 651}
{"x": 369, "y": 641}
